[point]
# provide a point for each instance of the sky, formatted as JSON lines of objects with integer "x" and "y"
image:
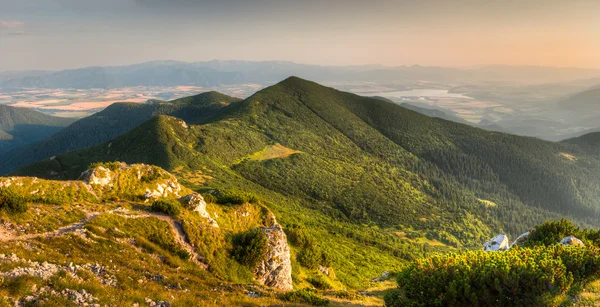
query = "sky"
{"x": 62, "y": 34}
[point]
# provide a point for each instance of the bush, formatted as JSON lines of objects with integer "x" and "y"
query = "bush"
{"x": 298, "y": 236}
{"x": 307, "y": 296}
{"x": 250, "y": 247}
{"x": 154, "y": 174}
{"x": 12, "y": 202}
{"x": 167, "y": 207}
{"x": 519, "y": 276}
{"x": 211, "y": 199}
{"x": 550, "y": 233}
{"x": 312, "y": 256}
{"x": 319, "y": 282}
{"x": 394, "y": 298}
{"x": 235, "y": 198}
{"x": 183, "y": 254}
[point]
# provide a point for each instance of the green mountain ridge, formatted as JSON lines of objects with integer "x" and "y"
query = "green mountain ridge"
{"x": 115, "y": 120}
{"x": 21, "y": 126}
{"x": 359, "y": 185}
{"x": 352, "y": 146}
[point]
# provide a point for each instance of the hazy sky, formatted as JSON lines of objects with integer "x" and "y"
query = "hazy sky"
{"x": 55, "y": 34}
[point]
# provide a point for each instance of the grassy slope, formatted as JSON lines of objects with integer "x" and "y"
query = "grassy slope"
{"x": 374, "y": 183}
{"x": 135, "y": 247}
{"x": 20, "y": 126}
{"x": 112, "y": 122}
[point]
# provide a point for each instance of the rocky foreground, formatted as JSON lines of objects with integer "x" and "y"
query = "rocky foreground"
{"x": 132, "y": 235}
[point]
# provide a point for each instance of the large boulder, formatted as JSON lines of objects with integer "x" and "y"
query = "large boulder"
{"x": 196, "y": 203}
{"x": 498, "y": 243}
{"x": 573, "y": 241}
{"x": 276, "y": 268}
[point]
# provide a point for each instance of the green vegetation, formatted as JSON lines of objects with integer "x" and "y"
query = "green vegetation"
{"x": 11, "y": 201}
{"x": 307, "y": 296}
{"x": 103, "y": 126}
{"x": 167, "y": 207}
{"x": 373, "y": 184}
{"x": 522, "y": 276}
{"x": 22, "y": 126}
{"x": 250, "y": 247}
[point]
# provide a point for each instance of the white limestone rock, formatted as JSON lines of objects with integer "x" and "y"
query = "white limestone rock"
{"x": 573, "y": 241}
{"x": 276, "y": 269}
{"x": 498, "y": 243}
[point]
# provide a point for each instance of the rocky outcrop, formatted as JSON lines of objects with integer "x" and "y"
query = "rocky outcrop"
{"x": 98, "y": 175}
{"x": 166, "y": 189}
{"x": 572, "y": 241}
{"x": 153, "y": 181}
{"x": 196, "y": 203}
{"x": 276, "y": 269}
{"x": 498, "y": 243}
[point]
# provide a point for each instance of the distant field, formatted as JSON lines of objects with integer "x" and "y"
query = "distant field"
{"x": 81, "y": 103}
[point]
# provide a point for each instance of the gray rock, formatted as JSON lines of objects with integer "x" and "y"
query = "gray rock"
{"x": 498, "y": 243}
{"x": 196, "y": 203}
{"x": 522, "y": 238}
{"x": 573, "y": 241}
{"x": 276, "y": 269}
{"x": 324, "y": 270}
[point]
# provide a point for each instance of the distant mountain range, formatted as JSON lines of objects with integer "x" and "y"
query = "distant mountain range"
{"x": 21, "y": 126}
{"x": 214, "y": 73}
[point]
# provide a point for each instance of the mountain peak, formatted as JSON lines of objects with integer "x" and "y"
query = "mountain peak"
{"x": 207, "y": 98}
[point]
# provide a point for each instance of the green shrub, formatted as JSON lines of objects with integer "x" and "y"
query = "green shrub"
{"x": 298, "y": 236}
{"x": 319, "y": 282}
{"x": 12, "y": 202}
{"x": 183, "y": 254}
{"x": 235, "y": 198}
{"x": 394, "y": 298}
{"x": 211, "y": 199}
{"x": 519, "y": 276}
{"x": 250, "y": 247}
{"x": 307, "y": 296}
{"x": 167, "y": 207}
{"x": 154, "y": 174}
{"x": 312, "y": 256}
{"x": 552, "y": 232}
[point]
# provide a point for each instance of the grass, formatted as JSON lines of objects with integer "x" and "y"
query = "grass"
{"x": 273, "y": 152}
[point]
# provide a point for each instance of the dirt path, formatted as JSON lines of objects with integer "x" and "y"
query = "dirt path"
{"x": 176, "y": 228}
{"x": 9, "y": 236}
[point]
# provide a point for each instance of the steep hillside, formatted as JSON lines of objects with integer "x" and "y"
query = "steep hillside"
{"x": 589, "y": 143}
{"x": 115, "y": 120}
{"x": 133, "y": 235}
{"x": 361, "y": 185}
{"x": 20, "y": 126}
{"x": 365, "y": 160}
